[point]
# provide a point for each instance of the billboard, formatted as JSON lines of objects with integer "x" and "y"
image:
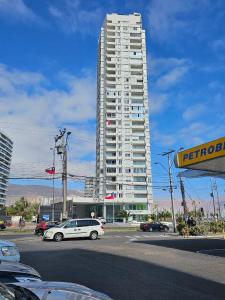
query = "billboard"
{"x": 201, "y": 153}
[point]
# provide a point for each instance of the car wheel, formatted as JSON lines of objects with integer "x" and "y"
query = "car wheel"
{"x": 58, "y": 237}
{"x": 166, "y": 229}
{"x": 150, "y": 229}
{"x": 94, "y": 235}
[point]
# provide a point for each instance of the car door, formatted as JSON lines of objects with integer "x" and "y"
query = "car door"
{"x": 71, "y": 230}
{"x": 84, "y": 227}
{"x": 155, "y": 226}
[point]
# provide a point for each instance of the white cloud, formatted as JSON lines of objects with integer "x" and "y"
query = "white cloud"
{"x": 164, "y": 140}
{"x": 172, "y": 77}
{"x": 166, "y": 72}
{"x": 219, "y": 45}
{"x": 169, "y": 18}
{"x": 31, "y": 113}
{"x": 158, "y": 103}
{"x": 17, "y": 10}
{"x": 72, "y": 17}
{"x": 194, "y": 111}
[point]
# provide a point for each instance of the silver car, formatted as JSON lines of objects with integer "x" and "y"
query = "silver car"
{"x": 9, "y": 251}
{"x": 53, "y": 291}
{"x": 16, "y": 272}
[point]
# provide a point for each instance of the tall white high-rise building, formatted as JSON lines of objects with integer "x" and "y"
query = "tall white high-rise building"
{"x": 6, "y": 146}
{"x": 123, "y": 167}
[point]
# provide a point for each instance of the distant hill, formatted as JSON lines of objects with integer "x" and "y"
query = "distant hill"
{"x": 34, "y": 192}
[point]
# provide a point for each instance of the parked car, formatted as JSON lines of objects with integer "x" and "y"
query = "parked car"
{"x": 134, "y": 223}
{"x": 102, "y": 220}
{"x": 17, "y": 272}
{"x": 75, "y": 228}
{"x": 49, "y": 291}
{"x": 42, "y": 226}
{"x": 169, "y": 224}
{"x": 2, "y": 224}
{"x": 9, "y": 251}
{"x": 155, "y": 226}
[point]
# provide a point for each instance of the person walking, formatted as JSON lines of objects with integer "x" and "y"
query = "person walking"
{"x": 20, "y": 223}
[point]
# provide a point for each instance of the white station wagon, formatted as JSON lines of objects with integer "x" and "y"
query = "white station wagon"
{"x": 75, "y": 228}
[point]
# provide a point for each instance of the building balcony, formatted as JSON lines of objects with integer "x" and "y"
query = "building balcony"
{"x": 137, "y": 142}
{"x": 136, "y": 47}
{"x": 110, "y": 27}
{"x": 110, "y": 147}
{"x": 111, "y": 110}
{"x": 135, "y": 61}
{"x": 139, "y": 150}
{"x": 110, "y": 33}
{"x": 110, "y": 39}
{"x": 139, "y": 156}
{"x": 110, "y": 125}
{"x": 110, "y": 141}
{"x": 110, "y": 134}
{"x": 110, "y": 46}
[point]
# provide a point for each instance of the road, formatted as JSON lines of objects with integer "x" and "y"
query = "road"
{"x": 131, "y": 265}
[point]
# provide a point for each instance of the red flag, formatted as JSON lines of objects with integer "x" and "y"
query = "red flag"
{"x": 111, "y": 196}
{"x": 108, "y": 122}
{"x": 50, "y": 170}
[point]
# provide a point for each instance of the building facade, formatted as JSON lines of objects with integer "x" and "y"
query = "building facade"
{"x": 6, "y": 146}
{"x": 123, "y": 167}
{"x": 89, "y": 187}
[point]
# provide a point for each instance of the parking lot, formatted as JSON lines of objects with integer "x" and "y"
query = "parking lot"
{"x": 131, "y": 265}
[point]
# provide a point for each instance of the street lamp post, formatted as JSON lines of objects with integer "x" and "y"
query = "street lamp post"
{"x": 62, "y": 150}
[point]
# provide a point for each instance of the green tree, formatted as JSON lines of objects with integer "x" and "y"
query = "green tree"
{"x": 22, "y": 208}
{"x": 164, "y": 215}
{"x": 123, "y": 214}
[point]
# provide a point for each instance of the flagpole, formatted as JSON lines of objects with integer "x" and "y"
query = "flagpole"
{"x": 113, "y": 212}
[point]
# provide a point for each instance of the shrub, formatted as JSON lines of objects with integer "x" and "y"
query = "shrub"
{"x": 196, "y": 230}
{"x": 216, "y": 226}
{"x": 180, "y": 227}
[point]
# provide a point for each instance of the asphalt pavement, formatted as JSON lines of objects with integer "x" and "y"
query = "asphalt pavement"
{"x": 131, "y": 265}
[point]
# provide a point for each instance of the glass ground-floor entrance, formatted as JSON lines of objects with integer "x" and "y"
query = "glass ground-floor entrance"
{"x": 136, "y": 211}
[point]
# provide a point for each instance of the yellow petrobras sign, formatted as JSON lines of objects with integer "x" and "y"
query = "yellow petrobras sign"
{"x": 201, "y": 153}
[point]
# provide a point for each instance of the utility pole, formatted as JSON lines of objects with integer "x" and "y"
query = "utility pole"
{"x": 184, "y": 203}
{"x": 62, "y": 150}
{"x": 218, "y": 199}
{"x": 171, "y": 186}
{"x": 64, "y": 181}
{"x": 53, "y": 186}
{"x": 212, "y": 195}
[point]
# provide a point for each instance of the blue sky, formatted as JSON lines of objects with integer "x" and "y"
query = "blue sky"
{"x": 48, "y": 52}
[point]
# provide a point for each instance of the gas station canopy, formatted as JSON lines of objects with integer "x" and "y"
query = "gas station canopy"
{"x": 204, "y": 160}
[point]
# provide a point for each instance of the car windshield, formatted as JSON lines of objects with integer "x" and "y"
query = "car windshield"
{"x": 63, "y": 223}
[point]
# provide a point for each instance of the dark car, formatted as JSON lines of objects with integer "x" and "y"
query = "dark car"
{"x": 155, "y": 226}
{"x": 17, "y": 272}
{"x": 2, "y": 226}
{"x": 42, "y": 226}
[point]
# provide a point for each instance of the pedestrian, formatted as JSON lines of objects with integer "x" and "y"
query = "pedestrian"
{"x": 20, "y": 223}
